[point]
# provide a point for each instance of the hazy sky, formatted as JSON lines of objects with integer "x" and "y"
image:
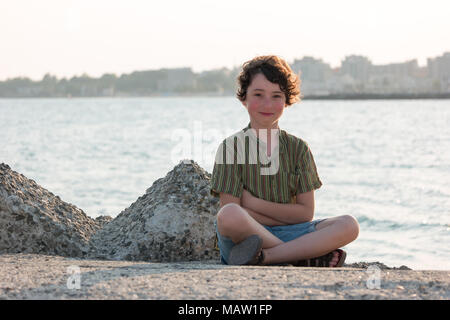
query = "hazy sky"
{"x": 67, "y": 38}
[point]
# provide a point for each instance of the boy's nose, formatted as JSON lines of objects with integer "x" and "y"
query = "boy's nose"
{"x": 266, "y": 101}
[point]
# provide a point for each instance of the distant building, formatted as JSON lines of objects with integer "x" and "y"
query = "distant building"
{"x": 312, "y": 69}
{"x": 357, "y": 75}
{"x": 399, "y": 70}
{"x": 314, "y": 74}
{"x": 358, "y": 67}
{"x": 394, "y": 78}
{"x": 439, "y": 71}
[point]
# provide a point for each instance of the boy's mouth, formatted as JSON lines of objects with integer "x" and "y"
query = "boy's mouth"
{"x": 266, "y": 114}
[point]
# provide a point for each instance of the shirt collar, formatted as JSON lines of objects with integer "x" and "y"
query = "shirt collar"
{"x": 282, "y": 142}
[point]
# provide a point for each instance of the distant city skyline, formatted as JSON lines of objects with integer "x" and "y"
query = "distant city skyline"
{"x": 291, "y": 63}
{"x": 67, "y": 38}
{"x": 356, "y": 77}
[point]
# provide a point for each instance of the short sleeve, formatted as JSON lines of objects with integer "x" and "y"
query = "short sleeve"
{"x": 226, "y": 177}
{"x": 306, "y": 170}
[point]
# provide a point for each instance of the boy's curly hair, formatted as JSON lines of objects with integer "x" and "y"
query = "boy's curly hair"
{"x": 276, "y": 70}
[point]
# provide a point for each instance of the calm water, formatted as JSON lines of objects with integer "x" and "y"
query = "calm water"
{"x": 385, "y": 162}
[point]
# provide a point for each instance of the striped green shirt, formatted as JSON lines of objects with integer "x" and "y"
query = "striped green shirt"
{"x": 297, "y": 172}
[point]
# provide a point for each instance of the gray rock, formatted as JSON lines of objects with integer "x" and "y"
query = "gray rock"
{"x": 172, "y": 221}
{"x": 102, "y": 220}
{"x": 34, "y": 220}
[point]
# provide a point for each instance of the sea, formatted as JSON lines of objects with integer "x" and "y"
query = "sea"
{"x": 385, "y": 162}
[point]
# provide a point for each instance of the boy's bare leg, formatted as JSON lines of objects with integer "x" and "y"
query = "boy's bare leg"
{"x": 331, "y": 234}
{"x": 236, "y": 223}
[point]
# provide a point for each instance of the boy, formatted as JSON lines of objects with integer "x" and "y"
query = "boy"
{"x": 267, "y": 218}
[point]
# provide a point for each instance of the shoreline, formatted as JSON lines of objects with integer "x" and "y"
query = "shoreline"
{"x": 37, "y": 276}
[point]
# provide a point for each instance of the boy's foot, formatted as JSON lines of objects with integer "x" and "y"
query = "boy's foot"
{"x": 247, "y": 252}
{"x": 334, "y": 259}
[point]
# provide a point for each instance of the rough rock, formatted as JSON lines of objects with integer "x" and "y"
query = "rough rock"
{"x": 102, "y": 220}
{"x": 34, "y": 220}
{"x": 172, "y": 221}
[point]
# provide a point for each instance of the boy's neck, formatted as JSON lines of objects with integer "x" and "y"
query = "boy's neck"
{"x": 267, "y": 129}
{"x": 257, "y": 126}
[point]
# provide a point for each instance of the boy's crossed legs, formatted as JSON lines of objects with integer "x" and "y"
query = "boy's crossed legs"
{"x": 235, "y": 223}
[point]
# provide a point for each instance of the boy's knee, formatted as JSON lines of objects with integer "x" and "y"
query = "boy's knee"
{"x": 230, "y": 217}
{"x": 351, "y": 225}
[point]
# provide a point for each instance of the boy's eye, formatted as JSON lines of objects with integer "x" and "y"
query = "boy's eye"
{"x": 277, "y": 96}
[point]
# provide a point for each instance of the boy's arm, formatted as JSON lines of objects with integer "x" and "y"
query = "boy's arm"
{"x": 268, "y": 221}
{"x": 290, "y": 213}
{"x": 263, "y": 219}
{"x": 225, "y": 198}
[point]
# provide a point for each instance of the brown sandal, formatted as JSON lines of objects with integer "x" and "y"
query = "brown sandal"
{"x": 323, "y": 261}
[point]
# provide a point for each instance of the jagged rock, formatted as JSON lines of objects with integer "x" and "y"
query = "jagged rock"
{"x": 34, "y": 220}
{"x": 102, "y": 220}
{"x": 172, "y": 221}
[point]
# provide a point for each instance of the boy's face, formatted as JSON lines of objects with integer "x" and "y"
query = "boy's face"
{"x": 265, "y": 102}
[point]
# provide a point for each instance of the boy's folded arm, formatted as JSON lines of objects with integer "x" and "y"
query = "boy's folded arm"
{"x": 263, "y": 219}
{"x": 290, "y": 213}
{"x": 226, "y": 198}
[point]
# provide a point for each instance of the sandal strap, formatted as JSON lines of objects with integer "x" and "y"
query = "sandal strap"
{"x": 260, "y": 258}
{"x": 322, "y": 261}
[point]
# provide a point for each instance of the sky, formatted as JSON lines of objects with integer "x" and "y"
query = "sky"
{"x": 68, "y": 38}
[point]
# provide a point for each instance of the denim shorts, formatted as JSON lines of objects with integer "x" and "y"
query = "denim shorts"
{"x": 284, "y": 233}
